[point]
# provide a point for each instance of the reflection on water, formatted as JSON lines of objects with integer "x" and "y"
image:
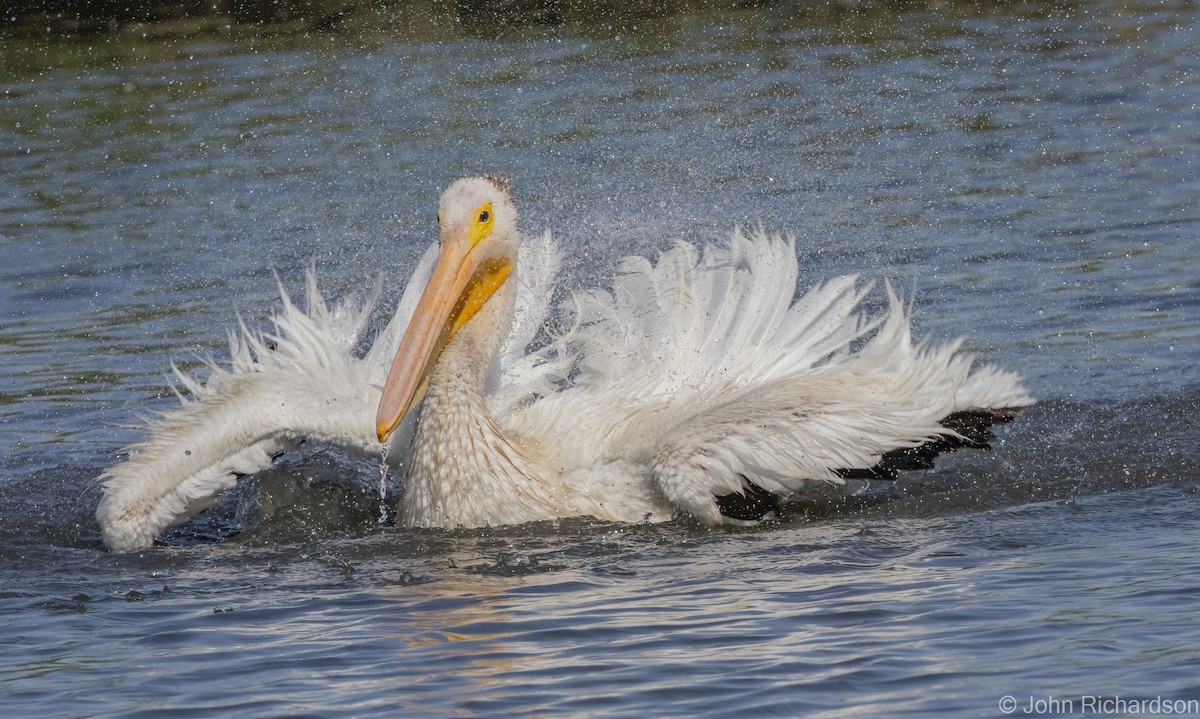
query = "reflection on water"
{"x": 1028, "y": 169}
{"x": 460, "y": 625}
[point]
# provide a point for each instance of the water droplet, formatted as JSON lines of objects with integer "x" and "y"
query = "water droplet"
{"x": 383, "y": 485}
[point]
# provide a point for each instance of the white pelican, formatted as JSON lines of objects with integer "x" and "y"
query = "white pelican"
{"x": 697, "y": 386}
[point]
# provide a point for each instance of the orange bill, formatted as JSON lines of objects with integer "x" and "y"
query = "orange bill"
{"x": 457, "y": 289}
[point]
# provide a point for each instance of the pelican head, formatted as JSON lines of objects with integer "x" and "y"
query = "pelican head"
{"x": 478, "y": 250}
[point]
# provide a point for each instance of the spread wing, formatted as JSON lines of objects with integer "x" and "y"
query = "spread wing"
{"x": 300, "y": 381}
{"x": 704, "y": 368}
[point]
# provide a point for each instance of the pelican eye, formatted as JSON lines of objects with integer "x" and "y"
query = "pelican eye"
{"x": 483, "y": 224}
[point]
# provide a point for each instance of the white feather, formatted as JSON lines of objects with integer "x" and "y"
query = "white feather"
{"x": 300, "y": 381}
{"x": 745, "y": 384}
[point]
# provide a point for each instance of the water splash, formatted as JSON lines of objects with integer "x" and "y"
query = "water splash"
{"x": 383, "y": 485}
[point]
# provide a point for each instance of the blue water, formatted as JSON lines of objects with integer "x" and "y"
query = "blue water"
{"x": 1031, "y": 171}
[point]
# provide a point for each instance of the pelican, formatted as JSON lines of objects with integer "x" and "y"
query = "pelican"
{"x": 697, "y": 386}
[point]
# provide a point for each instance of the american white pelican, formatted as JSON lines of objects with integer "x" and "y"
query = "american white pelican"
{"x": 696, "y": 386}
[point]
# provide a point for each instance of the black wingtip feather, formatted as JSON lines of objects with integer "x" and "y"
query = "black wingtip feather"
{"x": 974, "y": 431}
{"x": 750, "y": 505}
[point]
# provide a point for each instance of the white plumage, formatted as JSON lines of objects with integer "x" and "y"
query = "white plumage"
{"x": 694, "y": 383}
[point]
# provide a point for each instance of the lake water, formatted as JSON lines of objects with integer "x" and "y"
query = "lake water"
{"x": 1031, "y": 170}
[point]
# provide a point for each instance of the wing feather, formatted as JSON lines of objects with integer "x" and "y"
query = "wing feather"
{"x": 703, "y": 367}
{"x": 519, "y": 376}
{"x": 298, "y": 381}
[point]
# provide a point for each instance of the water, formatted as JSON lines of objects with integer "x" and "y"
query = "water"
{"x": 1029, "y": 170}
